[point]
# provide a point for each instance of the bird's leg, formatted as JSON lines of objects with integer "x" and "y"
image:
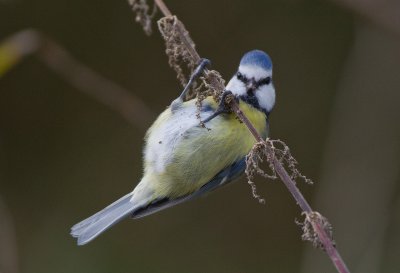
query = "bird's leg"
{"x": 222, "y": 107}
{"x": 196, "y": 73}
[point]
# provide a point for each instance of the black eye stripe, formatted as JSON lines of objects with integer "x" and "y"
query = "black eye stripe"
{"x": 266, "y": 80}
{"x": 261, "y": 82}
{"x": 241, "y": 77}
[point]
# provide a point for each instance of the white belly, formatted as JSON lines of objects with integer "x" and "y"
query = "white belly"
{"x": 167, "y": 132}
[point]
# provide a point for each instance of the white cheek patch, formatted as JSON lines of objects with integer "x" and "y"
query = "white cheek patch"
{"x": 265, "y": 93}
{"x": 236, "y": 86}
{"x": 266, "y": 97}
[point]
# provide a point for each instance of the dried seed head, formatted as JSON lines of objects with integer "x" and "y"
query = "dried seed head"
{"x": 282, "y": 152}
{"x": 267, "y": 151}
{"x": 177, "y": 52}
{"x": 181, "y": 60}
{"x": 205, "y": 89}
{"x": 143, "y": 17}
{"x": 214, "y": 84}
{"x": 253, "y": 160}
{"x": 309, "y": 233}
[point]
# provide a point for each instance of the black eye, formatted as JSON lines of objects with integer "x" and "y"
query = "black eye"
{"x": 241, "y": 77}
{"x": 266, "y": 80}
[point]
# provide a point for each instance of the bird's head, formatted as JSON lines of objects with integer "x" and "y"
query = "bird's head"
{"x": 253, "y": 81}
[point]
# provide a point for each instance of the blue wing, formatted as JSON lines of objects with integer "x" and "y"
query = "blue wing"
{"x": 222, "y": 178}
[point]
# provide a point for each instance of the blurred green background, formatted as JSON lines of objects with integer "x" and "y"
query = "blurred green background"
{"x": 64, "y": 155}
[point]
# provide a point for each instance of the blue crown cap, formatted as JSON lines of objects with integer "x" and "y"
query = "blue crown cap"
{"x": 257, "y": 58}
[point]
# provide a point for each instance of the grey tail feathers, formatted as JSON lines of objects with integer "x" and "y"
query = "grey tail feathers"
{"x": 90, "y": 228}
{"x": 140, "y": 203}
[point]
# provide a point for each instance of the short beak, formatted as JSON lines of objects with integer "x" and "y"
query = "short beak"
{"x": 251, "y": 85}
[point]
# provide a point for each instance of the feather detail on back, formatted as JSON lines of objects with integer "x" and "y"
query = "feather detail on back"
{"x": 185, "y": 156}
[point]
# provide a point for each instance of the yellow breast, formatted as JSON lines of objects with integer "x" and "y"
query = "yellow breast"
{"x": 202, "y": 153}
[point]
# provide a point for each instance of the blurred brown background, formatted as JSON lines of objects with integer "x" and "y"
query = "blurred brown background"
{"x": 64, "y": 155}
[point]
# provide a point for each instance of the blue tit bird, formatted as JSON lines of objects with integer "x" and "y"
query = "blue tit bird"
{"x": 184, "y": 160}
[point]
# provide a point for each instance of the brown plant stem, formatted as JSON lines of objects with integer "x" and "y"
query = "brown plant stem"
{"x": 325, "y": 239}
{"x": 313, "y": 217}
{"x": 164, "y": 9}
